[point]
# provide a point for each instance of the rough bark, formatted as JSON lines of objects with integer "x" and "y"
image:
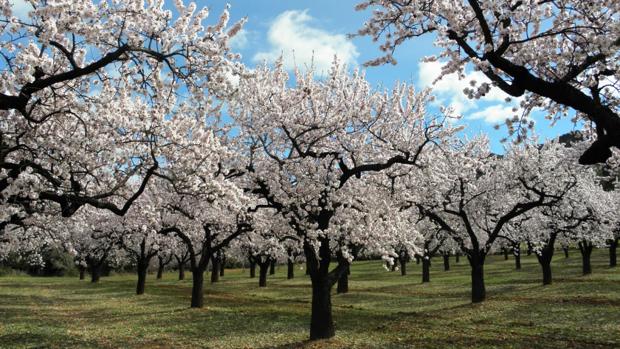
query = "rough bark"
{"x": 613, "y": 255}
{"x": 197, "y": 288}
{"x": 403, "y": 264}
{"x": 585, "y": 247}
{"x": 343, "y": 283}
{"x": 182, "y": 271}
{"x": 290, "y": 271}
{"x": 215, "y": 269}
{"x": 143, "y": 267}
{"x": 263, "y": 269}
{"x": 321, "y": 322}
{"x": 478, "y": 289}
{"x": 426, "y": 269}
{"x": 160, "y": 270}
{"x": 446, "y": 262}
{"x": 544, "y": 258}
{"x": 222, "y": 265}
{"x": 252, "y": 269}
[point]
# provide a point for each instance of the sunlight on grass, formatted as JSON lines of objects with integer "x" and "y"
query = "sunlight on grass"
{"x": 382, "y": 310}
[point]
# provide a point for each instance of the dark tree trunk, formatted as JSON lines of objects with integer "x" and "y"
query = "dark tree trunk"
{"x": 215, "y": 269}
{"x": 457, "y": 257}
{"x": 613, "y": 256}
{"x": 478, "y": 290}
{"x": 252, "y": 268}
{"x": 160, "y": 270}
{"x": 446, "y": 262}
{"x": 343, "y": 283}
{"x": 222, "y": 266}
{"x": 426, "y": 269}
{"x": 181, "y": 271}
{"x": 197, "y": 288}
{"x": 307, "y": 267}
{"x": 263, "y": 268}
{"x": 505, "y": 250}
{"x": 95, "y": 275}
{"x": 272, "y": 268}
{"x": 516, "y": 251}
{"x": 142, "y": 270}
{"x": 321, "y": 323}
{"x": 585, "y": 247}
{"x": 565, "y": 252}
{"x": 417, "y": 259}
{"x": 403, "y": 265}
{"x": 82, "y": 272}
{"x": 544, "y": 258}
{"x": 529, "y": 248}
{"x": 95, "y": 271}
{"x": 290, "y": 271}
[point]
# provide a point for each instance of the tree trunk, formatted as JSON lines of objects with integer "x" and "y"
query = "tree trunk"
{"x": 565, "y": 252}
{"x": 343, "y": 283}
{"x": 613, "y": 256}
{"x": 222, "y": 266}
{"x": 446, "y": 262}
{"x": 290, "y": 271}
{"x": 457, "y": 257}
{"x": 272, "y": 268}
{"x": 95, "y": 272}
{"x": 181, "y": 271}
{"x": 252, "y": 269}
{"x": 478, "y": 290}
{"x": 516, "y": 252}
{"x": 505, "y": 253}
{"x": 215, "y": 269}
{"x": 142, "y": 269}
{"x": 426, "y": 273}
{"x": 197, "y": 288}
{"x": 403, "y": 265}
{"x": 263, "y": 268}
{"x": 544, "y": 258}
{"x": 321, "y": 323}
{"x": 160, "y": 270}
{"x": 307, "y": 267}
{"x": 417, "y": 259}
{"x": 82, "y": 271}
{"x": 585, "y": 247}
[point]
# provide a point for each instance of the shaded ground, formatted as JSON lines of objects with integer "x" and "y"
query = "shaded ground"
{"x": 383, "y": 310}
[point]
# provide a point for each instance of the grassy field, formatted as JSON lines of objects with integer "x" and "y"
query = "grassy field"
{"x": 382, "y": 310}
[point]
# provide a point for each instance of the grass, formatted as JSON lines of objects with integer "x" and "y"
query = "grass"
{"x": 382, "y": 310}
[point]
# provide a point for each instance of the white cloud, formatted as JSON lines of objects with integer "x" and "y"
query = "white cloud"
{"x": 494, "y": 114}
{"x": 240, "y": 40}
{"x": 292, "y": 35}
{"x": 449, "y": 92}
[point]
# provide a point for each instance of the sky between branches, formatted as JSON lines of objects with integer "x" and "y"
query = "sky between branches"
{"x": 311, "y": 32}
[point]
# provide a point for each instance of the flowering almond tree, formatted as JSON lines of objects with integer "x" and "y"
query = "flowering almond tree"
{"x": 557, "y": 55}
{"x": 84, "y": 89}
{"x": 308, "y": 143}
{"x": 472, "y": 194}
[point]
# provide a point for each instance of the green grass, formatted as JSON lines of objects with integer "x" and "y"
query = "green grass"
{"x": 382, "y": 310}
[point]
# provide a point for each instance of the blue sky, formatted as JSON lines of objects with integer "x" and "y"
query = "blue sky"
{"x": 303, "y": 30}
{"x": 316, "y": 30}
